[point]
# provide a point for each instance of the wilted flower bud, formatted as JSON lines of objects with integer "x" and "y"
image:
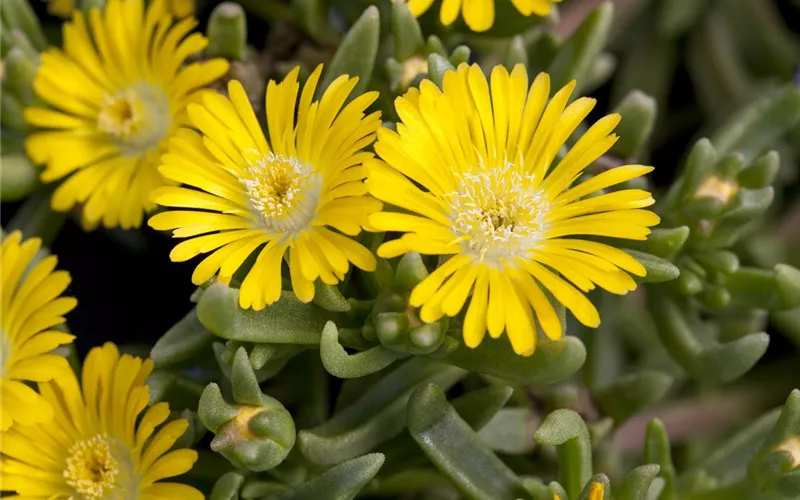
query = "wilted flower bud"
{"x": 256, "y": 432}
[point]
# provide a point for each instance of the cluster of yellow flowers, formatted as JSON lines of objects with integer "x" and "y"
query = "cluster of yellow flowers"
{"x": 473, "y": 174}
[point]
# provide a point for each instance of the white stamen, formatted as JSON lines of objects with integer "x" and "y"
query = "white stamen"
{"x": 283, "y": 193}
{"x": 497, "y": 213}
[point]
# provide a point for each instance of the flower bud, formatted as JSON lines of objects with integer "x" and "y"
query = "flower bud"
{"x": 255, "y": 432}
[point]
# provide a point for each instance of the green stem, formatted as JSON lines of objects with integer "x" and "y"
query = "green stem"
{"x": 35, "y": 218}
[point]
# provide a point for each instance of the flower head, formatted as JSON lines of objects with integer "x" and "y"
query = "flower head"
{"x": 282, "y": 196}
{"x": 178, "y": 8}
{"x": 97, "y": 447}
{"x": 499, "y": 202}
{"x": 479, "y": 14}
{"x": 120, "y": 90}
{"x": 31, "y": 308}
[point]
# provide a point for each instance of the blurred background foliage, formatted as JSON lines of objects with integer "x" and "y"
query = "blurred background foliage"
{"x": 684, "y": 392}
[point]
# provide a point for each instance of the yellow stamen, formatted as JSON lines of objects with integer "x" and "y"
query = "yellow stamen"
{"x": 716, "y": 187}
{"x": 91, "y": 468}
{"x": 120, "y": 115}
{"x": 283, "y": 193}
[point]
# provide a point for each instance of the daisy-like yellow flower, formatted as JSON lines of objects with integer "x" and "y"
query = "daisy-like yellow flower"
{"x": 496, "y": 198}
{"x": 282, "y": 196}
{"x": 478, "y": 14}
{"x": 30, "y": 306}
{"x": 120, "y": 90}
{"x": 97, "y": 447}
{"x": 178, "y": 8}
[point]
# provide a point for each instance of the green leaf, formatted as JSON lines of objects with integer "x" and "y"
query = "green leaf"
{"x": 340, "y": 364}
{"x": 329, "y": 298}
{"x": 313, "y": 17}
{"x": 179, "y": 391}
{"x": 633, "y": 393}
{"x": 636, "y": 484}
{"x": 762, "y": 172}
{"x": 658, "y": 270}
{"x": 375, "y": 417}
{"x": 550, "y": 363}
{"x": 18, "y": 14}
{"x": 667, "y": 242}
{"x": 510, "y": 431}
{"x": 575, "y": 58}
{"x": 406, "y": 33}
{"x": 677, "y": 16}
{"x": 516, "y": 53}
{"x": 759, "y": 125}
{"x": 457, "y": 451}
{"x": 638, "y": 112}
{"x": 410, "y": 271}
{"x": 657, "y": 450}
{"x": 227, "y": 32}
{"x": 778, "y": 290}
{"x": 356, "y": 54}
{"x": 227, "y": 487}
{"x": 287, "y": 321}
{"x": 699, "y": 165}
{"x": 567, "y": 430}
{"x": 342, "y": 482}
{"x": 437, "y": 66}
{"x": 186, "y": 340}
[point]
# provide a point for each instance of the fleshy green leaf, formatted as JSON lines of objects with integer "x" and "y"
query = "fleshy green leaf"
{"x": 567, "y": 430}
{"x": 457, "y": 451}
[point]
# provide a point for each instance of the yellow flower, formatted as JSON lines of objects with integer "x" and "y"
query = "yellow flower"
{"x": 596, "y": 491}
{"x": 494, "y": 201}
{"x": 282, "y": 195}
{"x": 178, "y": 8}
{"x": 96, "y": 447}
{"x": 118, "y": 95}
{"x": 31, "y": 308}
{"x": 478, "y": 14}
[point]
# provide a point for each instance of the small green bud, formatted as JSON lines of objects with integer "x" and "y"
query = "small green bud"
{"x": 689, "y": 283}
{"x": 357, "y": 52}
{"x": 227, "y": 32}
{"x": 715, "y": 297}
{"x": 762, "y": 172}
{"x": 390, "y": 327}
{"x": 426, "y": 338}
{"x": 435, "y": 46}
{"x": 20, "y": 177}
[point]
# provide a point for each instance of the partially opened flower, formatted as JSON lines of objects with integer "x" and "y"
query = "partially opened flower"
{"x": 178, "y": 8}
{"x": 295, "y": 194}
{"x": 479, "y": 14}
{"x": 97, "y": 447}
{"x": 32, "y": 307}
{"x": 120, "y": 89}
{"x": 489, "y": 190}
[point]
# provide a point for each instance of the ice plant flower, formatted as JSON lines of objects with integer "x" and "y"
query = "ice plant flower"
{"x": 496, "y": 198}
{"x": 118, "y": 95}
{"x": 478, "y": 14}
{"x": 281, "y": 196}
{"x": 178, "y": 8}
{"x": 31, "y": 307}
{"x": 97, "y": 447}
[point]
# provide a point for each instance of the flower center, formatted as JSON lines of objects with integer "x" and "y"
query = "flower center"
{"x": 136, "y": 119}
{"x": 92, "y": 468}
{"x": 283, "y": 193}
{"x": 497, "y": 213}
